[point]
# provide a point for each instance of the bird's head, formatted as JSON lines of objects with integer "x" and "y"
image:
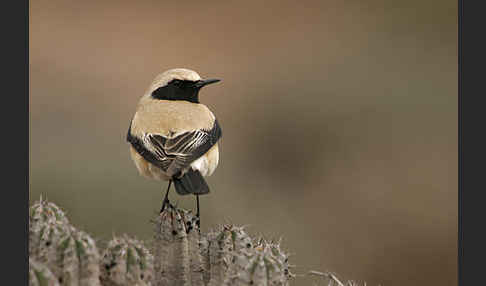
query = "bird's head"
{"x": 178, "y": 84}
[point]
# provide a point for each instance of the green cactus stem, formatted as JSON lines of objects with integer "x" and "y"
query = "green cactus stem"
{"x": 225, "y": 244}
{"x": 78, "y": 259}
{"x": 263, "y": 265}
{"x": 126, "y": 262}
{"x": 47, "y": 225}
{"x": 204, "y": 250}
{"x": 171, "y": 249}
{"x": 40, "y": 275}
{"x": 47, "y": 222}
{"x": 196, "y": 263}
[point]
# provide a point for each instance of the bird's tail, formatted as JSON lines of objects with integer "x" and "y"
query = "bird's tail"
{"x": 191, "y": 183}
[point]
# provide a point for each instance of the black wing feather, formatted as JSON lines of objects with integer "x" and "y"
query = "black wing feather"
{"x": 162, "y": 162}
{"x": 175, "y": 154}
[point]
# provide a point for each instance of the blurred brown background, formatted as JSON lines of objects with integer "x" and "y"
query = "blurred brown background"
{"x": 339, "y": 123}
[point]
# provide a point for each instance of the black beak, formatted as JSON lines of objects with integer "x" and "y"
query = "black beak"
{"x": 201, "y": 83}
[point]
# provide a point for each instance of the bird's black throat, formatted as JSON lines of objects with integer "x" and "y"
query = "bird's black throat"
{"x": 178, "y": 90}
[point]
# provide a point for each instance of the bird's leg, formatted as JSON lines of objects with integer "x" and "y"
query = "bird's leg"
{"x": 166, "y": 198}
{"x": 198, "y": 222}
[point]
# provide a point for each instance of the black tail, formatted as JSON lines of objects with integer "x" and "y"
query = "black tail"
{"x": 191, "y": 183}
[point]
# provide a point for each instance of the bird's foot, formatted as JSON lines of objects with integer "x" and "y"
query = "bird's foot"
{"x": 198, "y": 223}
{"x": 166, "y": 203}
{"x": 198, "y": 218}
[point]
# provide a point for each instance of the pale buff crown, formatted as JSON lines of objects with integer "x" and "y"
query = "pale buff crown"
{"x": 167, "y": 76}
{"x": 162, "y": 117}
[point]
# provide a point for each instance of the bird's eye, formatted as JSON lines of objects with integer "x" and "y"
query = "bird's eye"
{"x": 177, "y": 82}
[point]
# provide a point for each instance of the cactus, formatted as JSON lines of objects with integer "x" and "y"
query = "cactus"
{"x": 176, "y": 249}
{"x": 196, "y": 261}
{"x": 206, "y": 265}
{"x": 126, "y": 261}
{"x": 43, "y": 211}
{"x": 78, "y": 259}
{"x": 47, "y": 223}
{"x": 59, "y": 254}
{"x": 224, "y": 244}
{"x": 281, "y": 259}
{"x": 265, "y": 264}
{"x": 40, "y": 275}
{"x": 70, "y": 254}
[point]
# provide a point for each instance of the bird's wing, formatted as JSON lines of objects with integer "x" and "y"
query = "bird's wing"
{"x": 174, "y": 154}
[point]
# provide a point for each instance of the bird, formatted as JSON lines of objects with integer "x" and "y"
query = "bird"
{"x": 173, "y": 137}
